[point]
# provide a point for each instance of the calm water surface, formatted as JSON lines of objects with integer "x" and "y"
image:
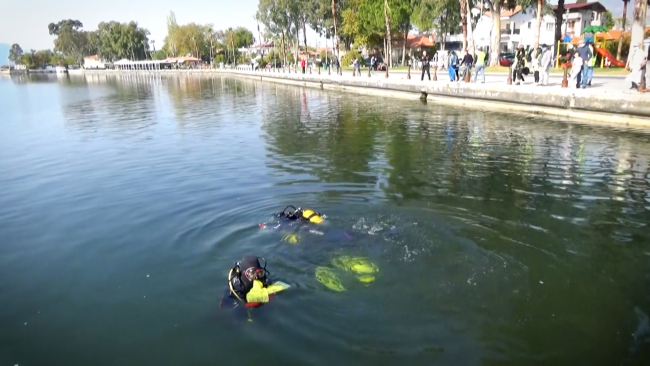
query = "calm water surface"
{"x": 501, "y": 239}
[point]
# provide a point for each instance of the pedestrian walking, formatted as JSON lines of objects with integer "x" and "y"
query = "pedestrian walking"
{"x": 453, "y": 64}
{"x": 480, "y": 65}
{"x": 547, "y": 60}
{"x": 636, "y": 65}
{"x": 373, "y": 63}
{"x": 303, "y": 64}
{"x": 535, "y": 63}
{"x": 466, "y": 64}
{"x": 576, "y": 68}
{"x": 585, "y": 54}
{"x": 518, "y": 67}
{"x": 425, "y": 65}
{"x": 591, "y": 64}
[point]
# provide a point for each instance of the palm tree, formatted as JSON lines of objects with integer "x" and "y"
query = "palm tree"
{"x": 620, "y": 40}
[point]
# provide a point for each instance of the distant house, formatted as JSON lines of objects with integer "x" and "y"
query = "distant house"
{"x": 94, "y": 62}
{"x": 517, "y": 27}
{"x": 581, "y": 15}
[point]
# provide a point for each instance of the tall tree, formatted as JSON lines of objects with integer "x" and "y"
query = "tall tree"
{"x": 638, "y": 24}
{"x": 620, "y": 40}
{"x": 388, "y": 35}
{"x": 495, "y": 7}
{"x": 463, "y": 21}
{"x": 470, "y": 30}
{"x": 15, "y": 53}
{"x": 538, "y": 25}
{"x": 441, "y": 15}
{"x": 559, "y": 19}
{"x": 336, "y": 39}
{"x": 70, "y": 40}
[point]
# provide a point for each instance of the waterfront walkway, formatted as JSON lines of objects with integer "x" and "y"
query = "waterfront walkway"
{"x": 607, "y": 101}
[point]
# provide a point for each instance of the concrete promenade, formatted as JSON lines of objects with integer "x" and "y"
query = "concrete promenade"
{"x": 607, "y": 101}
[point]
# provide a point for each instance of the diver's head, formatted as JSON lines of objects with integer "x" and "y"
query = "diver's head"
{"x": 252, "y": 270}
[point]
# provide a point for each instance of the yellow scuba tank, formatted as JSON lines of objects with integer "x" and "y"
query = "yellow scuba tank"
{"x": 312, "y": 216}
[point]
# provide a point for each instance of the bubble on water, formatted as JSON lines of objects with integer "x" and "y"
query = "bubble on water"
{"x": 25, "y": 323}
{"x": 147, "y": 275}
{"x": 542, "y": 282}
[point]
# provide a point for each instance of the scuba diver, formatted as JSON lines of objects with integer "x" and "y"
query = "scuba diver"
{"x": 290, "y": 213}
{"x": 298, "y": 218}
{"x": 249, "y": 283}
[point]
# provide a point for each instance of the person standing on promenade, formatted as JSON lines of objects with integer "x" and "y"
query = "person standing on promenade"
{"x": 480, "y": 65}
{"x": 520, "y": 62}
{"x": 545, "y": 64}
{"x": 453, "y": 64}
{"x": 467, "y": 63}
{"x": 591, "y": 64}
{"x": 302, "y": 64}
{"x": 576, "y": 68}
{"x": 636, "y": 64}
{"x": 535, "y": 63}
{"x": 425, "y": 65}
{"x": 585, "y": 54}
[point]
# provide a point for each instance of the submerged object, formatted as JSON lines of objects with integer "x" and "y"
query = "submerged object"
{"x": 328, "y": 278}
{"x": 362, "y": 268}
{"x": 290, "y": 238}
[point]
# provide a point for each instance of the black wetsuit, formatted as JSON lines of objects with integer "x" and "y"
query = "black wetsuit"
{"x": 249, "y": 270}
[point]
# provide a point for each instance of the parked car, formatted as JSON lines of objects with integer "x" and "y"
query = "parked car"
{"x": 506, "y": 59}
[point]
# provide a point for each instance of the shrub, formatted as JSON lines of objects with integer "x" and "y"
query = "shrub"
{"x": 349, "y": 56}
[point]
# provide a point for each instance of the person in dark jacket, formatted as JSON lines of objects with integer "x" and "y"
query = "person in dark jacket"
{"x": 520, "y": 62}
{"x": 425, "y": 65}
{"x": 467, "y": 63}
{"x": 585, "y": 54}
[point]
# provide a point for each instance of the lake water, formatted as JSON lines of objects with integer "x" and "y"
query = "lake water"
{"x": 501, "y": 239}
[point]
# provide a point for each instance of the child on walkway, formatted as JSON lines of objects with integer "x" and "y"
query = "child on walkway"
{"x": 576, "y": 68}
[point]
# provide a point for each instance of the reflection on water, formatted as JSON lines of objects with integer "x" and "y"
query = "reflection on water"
{"x": 501, "y": 238}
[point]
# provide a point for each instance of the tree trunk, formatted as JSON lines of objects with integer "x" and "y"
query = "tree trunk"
{"x": 496, "y": 33}
{"x": 638, "y": 24}
{"x": 406, "y": 33}
{"x": 470, "y": 31}
{"x": 463, "y": 22}
{"x": 559, "y": 16}
{"x": 336, "y": 38}
{"x": 388, "y": 38}
{"x": 304, "y": 33}
{"x": 297, "y": 44}
{"x": 538, "y": 27}
{"x": 284, "y": 54}
{"x": 619, "y": 52}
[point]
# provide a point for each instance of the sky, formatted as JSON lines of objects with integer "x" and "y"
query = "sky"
{"x": 25, "y": 21}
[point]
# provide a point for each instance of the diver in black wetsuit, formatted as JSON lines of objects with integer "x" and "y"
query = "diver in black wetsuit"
{"x": 242, "y": 275}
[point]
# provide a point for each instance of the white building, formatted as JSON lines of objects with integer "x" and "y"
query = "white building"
{"x": 518, "y": 25}
{"x": 94, "y": 62}
{"x": 579, "y": 16}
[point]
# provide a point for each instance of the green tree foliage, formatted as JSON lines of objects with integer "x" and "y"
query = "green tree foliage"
{"x": 608, "y": 20}
{"x": 15, "y": 53}
{"x": 114, "y": 41}
{"x": 70, "y": 40}
{"x": 203, "y": 41}
{"x": 441, "y": 15}
{"x": 349, "y": 56}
